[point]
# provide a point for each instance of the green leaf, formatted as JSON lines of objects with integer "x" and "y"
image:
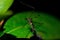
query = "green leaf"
{"x": 4, "y": 6}
{"x": 18, "y": 26}
{"x": 47, "y": 26}
{"x": 8, "y": 13}
{"x": 1, "y": 33}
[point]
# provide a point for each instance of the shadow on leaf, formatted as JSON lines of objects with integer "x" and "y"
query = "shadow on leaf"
{"x": 12, "y": 37}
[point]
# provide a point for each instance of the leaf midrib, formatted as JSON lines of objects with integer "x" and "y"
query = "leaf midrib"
{"x": 14, "y": 29}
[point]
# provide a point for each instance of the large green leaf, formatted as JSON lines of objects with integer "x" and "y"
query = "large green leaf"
{"x": 47, "y": 26}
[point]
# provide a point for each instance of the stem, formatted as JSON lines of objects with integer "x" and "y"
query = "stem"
{"x": 1, "y": 25}
{"x": 32, "y": 26}
{"x": 1, "y": 22}
{"x": 33, "y": 29}
{"x": 27, "y": 5}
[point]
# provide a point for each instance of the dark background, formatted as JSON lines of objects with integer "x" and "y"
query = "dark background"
{"x": 51, "y": 7}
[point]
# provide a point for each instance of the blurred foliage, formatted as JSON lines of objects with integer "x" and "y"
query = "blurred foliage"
{"x": 4, "y": 12}
{"x": 4, "y": 6}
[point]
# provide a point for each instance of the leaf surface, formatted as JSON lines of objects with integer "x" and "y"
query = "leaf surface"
{"x": 47, "y": 26}
{"x": 4, "y": 6}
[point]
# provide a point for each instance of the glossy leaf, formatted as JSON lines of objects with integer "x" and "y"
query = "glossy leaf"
{"x": 4, "y": 6}
{"x": 47, "y": 26}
